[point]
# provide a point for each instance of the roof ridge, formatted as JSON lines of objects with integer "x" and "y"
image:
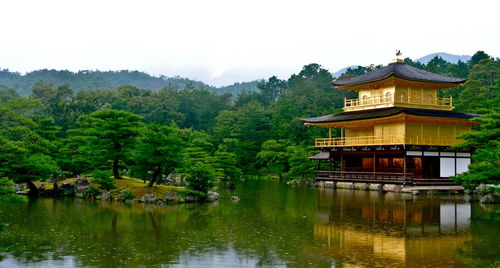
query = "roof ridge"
{"x": 399, "y": 69}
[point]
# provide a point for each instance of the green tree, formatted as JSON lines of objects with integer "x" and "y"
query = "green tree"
{"x": 250, "y": 126}
{"x": 272, "y": 89}
{"x": 24, "y": 153}
{"x": 22, "y": 165}
{"x": 7, "y": 94}
{"x": 299, "y": 164}
{"x": 485, "y": 141}
{"x": 104, "y": 179}
{"x": 309, "y": 94}
{"x": 225, "y": 165}
{"x": 477, "y": 57}
{"x": 56, "y": 102}
{"x": 110, "y": 135}
{"x": 274, "y": 157}
{"x": 159, "y": 150}
{"x": 201, "y": 178}
{"x": 437, "y": 65}
{"x": 482, "y": 91}
{"x": 7, "y": 193}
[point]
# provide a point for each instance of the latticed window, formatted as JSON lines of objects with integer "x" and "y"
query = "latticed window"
{"x": 429, "y": 99}
{"x": 365, "y": 99}
{"x": 388, "y": 96}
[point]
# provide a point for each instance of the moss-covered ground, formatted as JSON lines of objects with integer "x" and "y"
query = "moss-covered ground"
{"x": 136, "y": 186}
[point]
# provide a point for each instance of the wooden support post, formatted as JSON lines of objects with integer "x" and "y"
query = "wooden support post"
{"x": 329, "y": 163}
{"x": 330, "y": 132}
{"x": 404, "y": 164}
{"x": 374, "y": 165}
{"x": 341, "y": 162}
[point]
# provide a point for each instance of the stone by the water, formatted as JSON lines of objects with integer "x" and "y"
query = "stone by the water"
{"x": 490, "y": 199}
{"x": 149, "y": 198}
{"x": 172, "y": 197}
{"x": 213, "y": 196}
{"x": 106, "y": 196}
{"x": 81, "y": 181}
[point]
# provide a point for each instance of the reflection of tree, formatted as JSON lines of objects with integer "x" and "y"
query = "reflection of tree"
{"x": 482, "y": 249}
{"x": 273, "y": 224}
{"x": 273, "y": 228}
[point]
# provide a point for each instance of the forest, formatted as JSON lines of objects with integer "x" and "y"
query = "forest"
{"x": 96, "y": 79}
{"x": 58, "y": 132}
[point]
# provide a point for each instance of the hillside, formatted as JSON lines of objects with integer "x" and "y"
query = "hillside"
{"x": 93, "y": 80}
{"x": 452, "y": 58}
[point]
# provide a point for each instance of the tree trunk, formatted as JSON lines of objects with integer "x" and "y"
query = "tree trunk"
{"x": 116, "y": 173}
{"x": 281, "y": 177}
{"x": 156, "y": 173}
{"x": 33, "y": 189}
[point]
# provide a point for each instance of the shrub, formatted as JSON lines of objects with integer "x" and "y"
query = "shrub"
{"x": 201, "y": 178}
{"x": 104, "y": 179}
{"x": 127, "y": 195}
{"x": 7, "y": 194}
{"x": 91, "y": 191}
{"x": 191, "y": 195}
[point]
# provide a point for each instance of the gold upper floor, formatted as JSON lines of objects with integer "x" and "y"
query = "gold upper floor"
{"x": 400, "y": 129}
{"x": 397, "y": 92}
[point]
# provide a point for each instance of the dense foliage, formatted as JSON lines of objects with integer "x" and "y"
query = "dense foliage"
{"x": 96, "y": 80}
{"x": 57, "y": 131}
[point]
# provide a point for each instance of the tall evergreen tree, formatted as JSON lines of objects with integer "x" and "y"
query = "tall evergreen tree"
{"x": 109, "y": 136}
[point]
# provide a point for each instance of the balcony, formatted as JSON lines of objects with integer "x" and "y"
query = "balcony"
{"x": 386, "y": 140}
{"x": 402, "y": 101}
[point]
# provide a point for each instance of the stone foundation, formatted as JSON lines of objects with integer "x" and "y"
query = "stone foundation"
{"x": 387, "y": 187}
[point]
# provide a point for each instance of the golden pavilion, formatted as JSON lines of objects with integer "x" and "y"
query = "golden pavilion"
{"x": 397, "y": 131}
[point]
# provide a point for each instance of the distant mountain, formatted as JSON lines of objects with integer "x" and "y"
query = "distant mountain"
{"x": 425, "y": 59}
{"x": 340, "y": 72}
{"x": 93, "y": 80}
{"x": 445, "y": 56}
{"x": 238, "y": 87}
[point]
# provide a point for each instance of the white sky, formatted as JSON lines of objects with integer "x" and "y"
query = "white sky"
{"x": 223, "y": 41}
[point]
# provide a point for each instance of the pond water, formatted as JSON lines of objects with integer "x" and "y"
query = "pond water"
{"x": 274, "y": 225}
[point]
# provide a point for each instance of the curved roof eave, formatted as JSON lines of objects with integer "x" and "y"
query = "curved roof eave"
{"x": 402, "y": 71}
{"x": 385, "y": 112}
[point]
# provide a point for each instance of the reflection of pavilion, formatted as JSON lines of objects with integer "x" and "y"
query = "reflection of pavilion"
{"x": 368, "y": 229}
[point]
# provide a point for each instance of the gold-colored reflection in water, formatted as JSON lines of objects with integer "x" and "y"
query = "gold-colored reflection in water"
{"x": 368, "y": 229}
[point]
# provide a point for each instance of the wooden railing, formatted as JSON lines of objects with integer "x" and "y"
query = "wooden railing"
{"x": 431, "y": 140}
{"x": 386, "y": 140}
{"x": 386, "y": 101}
{"x": 367, "y": 177}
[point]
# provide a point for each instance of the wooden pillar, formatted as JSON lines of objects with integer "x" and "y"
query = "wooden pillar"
{"x": 330, "y": 132}
{"x": 374, "y": 165}
{"x": 341, "y": 161}
{"x": 329, "y": 162}
{"x": 404, "y": 163}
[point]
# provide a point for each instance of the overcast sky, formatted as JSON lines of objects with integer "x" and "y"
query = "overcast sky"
{"x": 220, "y": 42}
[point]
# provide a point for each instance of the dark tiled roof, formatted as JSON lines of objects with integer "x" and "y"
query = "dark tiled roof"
{"x": 384, "y": 112}
{"x": 401, "y": 70}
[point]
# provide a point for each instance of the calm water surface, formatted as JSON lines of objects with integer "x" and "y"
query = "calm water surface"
{"x": 273, "y": 225}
